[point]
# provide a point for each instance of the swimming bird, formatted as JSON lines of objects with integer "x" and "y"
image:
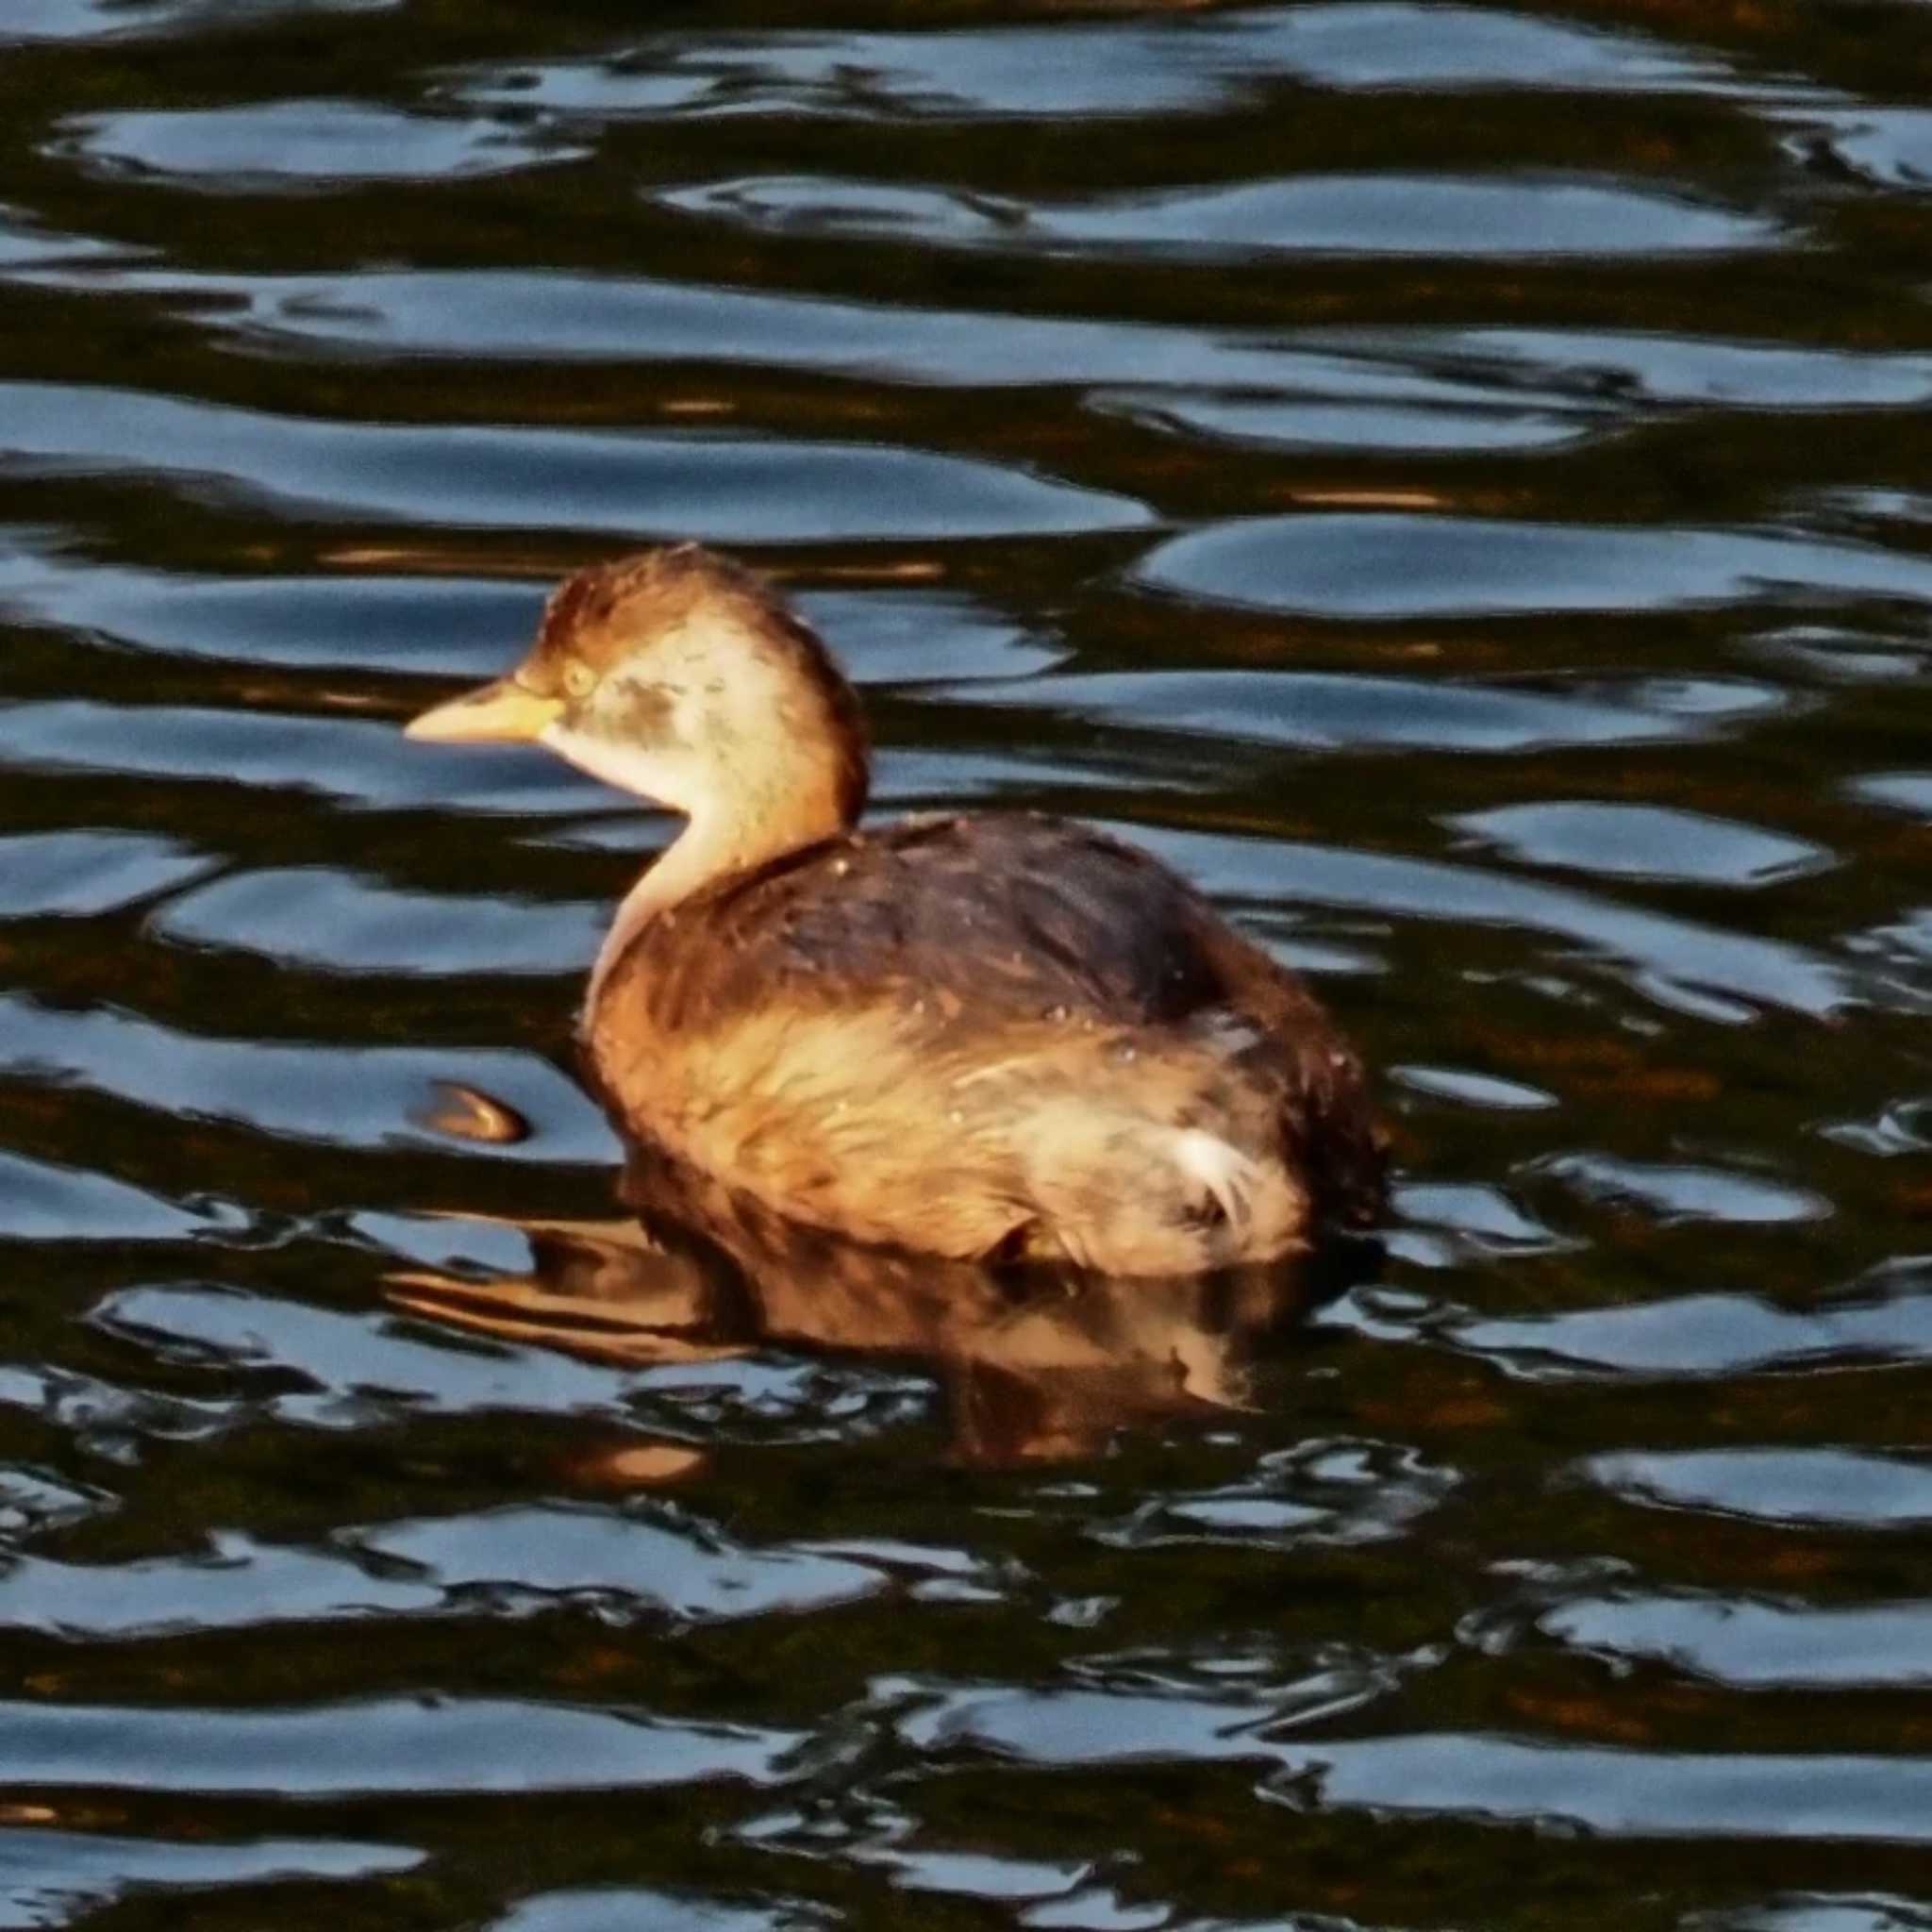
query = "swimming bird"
{"x": 997, "y": 1035}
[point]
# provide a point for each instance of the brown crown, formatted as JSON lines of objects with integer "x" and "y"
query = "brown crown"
{"x": 604, "y": 612}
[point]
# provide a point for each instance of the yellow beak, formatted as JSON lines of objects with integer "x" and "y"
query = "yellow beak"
{"x": 503, "y": 713}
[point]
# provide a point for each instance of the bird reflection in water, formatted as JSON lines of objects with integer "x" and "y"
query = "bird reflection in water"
{"x": 1035, "y": 1365}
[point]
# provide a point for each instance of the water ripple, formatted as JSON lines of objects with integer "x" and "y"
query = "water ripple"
{"x": 1180, "y": 64}
{"x": 1889, "y": 147}
{"x": 350, "y": 1097}
{"x": 376, "y": 1747}
{"x": 1668, "y": 370}
{"x": 350, "y": 761}
{"x": 1681, "y": 1192}
{"x": 1703, "y": 968}
{"x": 25, "y": 244}
{"x": 1644, "y": 841}
{"x": 1336, "y": 710}
{"x": 50, "y": 1878}
{"x": 1755, "y": 1645}
{"x": 552, "y": 1552}
{"x": 631, "y": 1908}
{"x": 81, "y": 875}
{"x": 238, "y": 1584}
{"x": 757, "y": 489}
{"x": 1496, "y": 1779}
{"x": 33, "y": 20}
{"x": 1908, "y": 791}
{"x": 515, "y": 1560}
{"x": 316, "y": 917}
{"x": 1819, "y": 1912}
{"x": 1699, "y": 1336}
{"x": 43, "y": 1201}
{"x": 1356, "y": 215}
{"x": 294, "y": 146}
{"x": 1819, "y": 1488}
{"x": 1383, "y": 565}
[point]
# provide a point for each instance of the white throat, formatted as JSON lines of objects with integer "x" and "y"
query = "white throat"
{"x": 703, "y": 851}
{"x": 659, "y": 777}
{"x": 770, "y": 803}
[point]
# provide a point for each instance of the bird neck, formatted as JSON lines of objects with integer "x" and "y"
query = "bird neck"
{"x": 721, "y": 838}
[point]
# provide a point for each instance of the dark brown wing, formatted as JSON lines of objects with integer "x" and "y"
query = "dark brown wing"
{"x": 1008, "y": 913}
{"x": 1328, "y": 1111}
{"x": 1008, "y": 916}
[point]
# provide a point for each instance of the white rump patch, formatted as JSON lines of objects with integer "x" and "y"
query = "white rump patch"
{"x": 1221, "y": 1170}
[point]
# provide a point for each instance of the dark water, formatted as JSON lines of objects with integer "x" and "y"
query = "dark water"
{"x": 1454, "y": 478}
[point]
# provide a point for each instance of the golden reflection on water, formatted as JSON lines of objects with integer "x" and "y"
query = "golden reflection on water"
{"x": 1035, "y": 1365}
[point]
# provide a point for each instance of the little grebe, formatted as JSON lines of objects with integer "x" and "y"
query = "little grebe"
{"x": 1000, "y": 1035}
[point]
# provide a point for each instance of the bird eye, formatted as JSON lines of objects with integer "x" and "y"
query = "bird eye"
{"x": 579, "y": 680}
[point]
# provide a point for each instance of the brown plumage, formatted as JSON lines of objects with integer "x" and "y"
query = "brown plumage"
{"x": 998, "y": 1034}
{"x": 594, "y": 619}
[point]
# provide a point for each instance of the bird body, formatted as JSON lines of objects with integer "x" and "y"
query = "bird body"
{"x": 993, "y": 1036}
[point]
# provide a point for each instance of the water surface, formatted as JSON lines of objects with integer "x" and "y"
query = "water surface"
{"x": 1453, "y": 479}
